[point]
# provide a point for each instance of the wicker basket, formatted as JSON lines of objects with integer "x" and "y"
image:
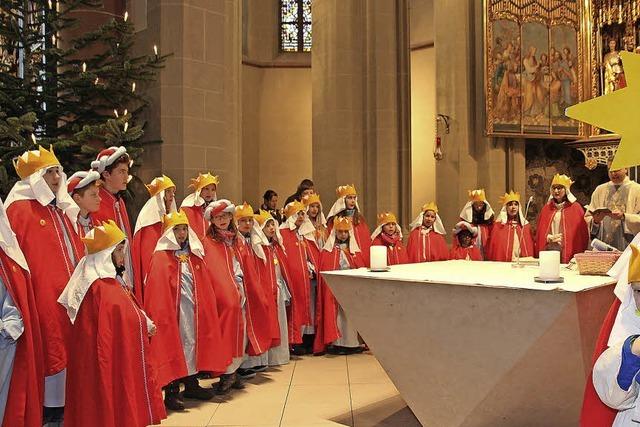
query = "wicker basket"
{"x": 596, "y": 263}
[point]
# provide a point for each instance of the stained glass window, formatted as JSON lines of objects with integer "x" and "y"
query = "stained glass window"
{"x": 295, "y": 25}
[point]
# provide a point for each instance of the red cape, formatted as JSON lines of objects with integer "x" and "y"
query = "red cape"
{"x": 110, "y": 206}
{"x": 24, "y": 403}
{"x": 427, "y": 247}
{"x": 574, "y": 229}
{"x": 267, "y": 271}
{"x": 396, "y": 254}
{"x": 162, "y": 304}
{"x": 110, "y": 380}
{"x": 594, "y": 412}
{"x": 300, "y": 285}
{"x": 258, "y": 312}
{"x": 501, "y": 242}
{"x": 458, "y": 252}
{"x": 219, "y": 261}
{"x": 197, "y": 223}
{"x": 142, "y": 247}
{"x": 363, "y": 236}
{"x": 43, "y": 245}
{"x": 326, "y": 304}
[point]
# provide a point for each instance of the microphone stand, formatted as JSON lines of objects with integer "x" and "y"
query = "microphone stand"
{"x": 517, "y": 264}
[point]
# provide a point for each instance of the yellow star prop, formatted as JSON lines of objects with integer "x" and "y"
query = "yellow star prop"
{"x": 617, "y": 112}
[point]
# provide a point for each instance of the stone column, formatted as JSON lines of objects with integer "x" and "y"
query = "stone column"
{"x": 360, "y": 85}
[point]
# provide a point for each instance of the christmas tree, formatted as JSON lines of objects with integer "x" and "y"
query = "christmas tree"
{"x": 79, "y": 92}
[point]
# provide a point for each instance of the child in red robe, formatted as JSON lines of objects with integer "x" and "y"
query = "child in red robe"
{"x": 478, "y": 213}
{"x": 84, "y": 189}
{"x": 111, "y": 381}
{"x": 464, "y": 242}
{"x": 389, "y": 234}
{"x": 334, "y": 331}
{"x": 561, "y": 224}
{"x": 149, "y": 228}
{"x": 511, "y": 234}
{"x": 426, "y": 241}
{"x": 347, "y": 206}
{"x": 316, "y": 216}
{"x": 205, "y": 188}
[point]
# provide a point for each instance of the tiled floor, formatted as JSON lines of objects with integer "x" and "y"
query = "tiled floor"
{"x": 310, "y": 391}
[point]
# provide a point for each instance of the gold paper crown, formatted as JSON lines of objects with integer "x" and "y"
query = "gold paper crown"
{"x": 158, "y": 184}
{"x": 511, "y": 196}
{"x": 563, "y": 180}
{"x": 634, "y": 265}
{"x": 203, "y": 180}
{"x": 174, "y": 218}
{"x": 346, "y": 190}
{"x": 103, "y": 237}
{"x": 342, "y": 223}
{"x": 243, "y": 211}
{"x": 31, "y": 162}
{"x": 386, "y": 218}
{"x": 262, "y": 217}
{"x": 293, "y": 208}
{"x": 477, "y": 195}
{"x": 431, "y": 206}
{"x": 311, "y": 199}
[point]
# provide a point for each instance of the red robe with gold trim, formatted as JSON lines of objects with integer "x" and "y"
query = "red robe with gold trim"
{"x": 197, "y": 223}
{"x": 162, "y": 304}
{"x": 110, "y": 380}
{"x": 574, "y": 229}
{"x": 501, "y": 241}
{"x": 267, "y": 271}
{"x": 396, "y": 253}
{"x": 259, "y": 319}
{"x": 326, "y": 304}
{"x": 142, "y": 248}
{"x": 426, "y": 247}
{"x": 26, "y": 390}
{"x": 218, "y": 259}
{"x": 298, "y": 252}
{"x": 112, "y": 207}
{"x": 43, "y": 245}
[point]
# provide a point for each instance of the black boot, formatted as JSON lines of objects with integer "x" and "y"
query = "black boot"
{"x": 307, "y": 342}
{"x": 172, "y": 399}
{"x": 224, "y": 385}
{"x": 52, "y": 414}
{"x": 192, "y": 389}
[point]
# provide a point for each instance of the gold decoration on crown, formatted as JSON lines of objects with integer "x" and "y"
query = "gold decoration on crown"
{"x": 342, "y": 223}
{"x": 634, "y": 265}
{"x": 31, "y": 162}
{"x": 243, "y": 211}
{"x": 511, "y": 196}
{"x": 431, "y": 206}
{"x": 311, "y": 199}
{"x": 203, "y": 180}
{"x": 174, "y": 218}
{"x": 263, "y": 217}
{"x": 386, "y": 218}
{"x": 103, "y": 236}
{"x": 158, "y": 184}
{"x": 563, "y": 180}
{"x": 477, "y": 195}
{"x": 346, "y": 190}
{"x": 293, "y": 208}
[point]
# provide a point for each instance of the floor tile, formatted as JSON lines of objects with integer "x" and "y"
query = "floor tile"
{"x": 318, "y": 404}
{"x": 365, "y": 369}
{"x": 257, "y": 404}
{"x": 321, "y": 370}
{"x": 380, "y": 405}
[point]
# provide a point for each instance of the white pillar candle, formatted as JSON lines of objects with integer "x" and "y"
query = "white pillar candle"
{"x": 549, "y": 265}
{"x": 378, "y": 255}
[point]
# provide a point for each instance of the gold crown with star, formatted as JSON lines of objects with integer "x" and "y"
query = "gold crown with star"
{"x": 563, "y": 180}
{"x": 158, "y": 184}
{"x": 346, "y": 190}
{"x": 103, "y": 236}
{"x": 386, "y": 218}
{"x": 477, "y": 195}
{"x": 172, "y": 219}
{"x": 431, "y": 206}
{"x": 511, "y": 196}
{"x": 342, "y": 223}
{"x": 243, "y": 211}
{"x": 293, "y": 208}
{"x": 262, "y": 217}
{"x": 31, "y": 162}
{"x": 311, "y": 199}
{"x": 203, "y": 180}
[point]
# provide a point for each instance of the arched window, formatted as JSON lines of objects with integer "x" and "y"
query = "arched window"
{"x": 295, "y": 25}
